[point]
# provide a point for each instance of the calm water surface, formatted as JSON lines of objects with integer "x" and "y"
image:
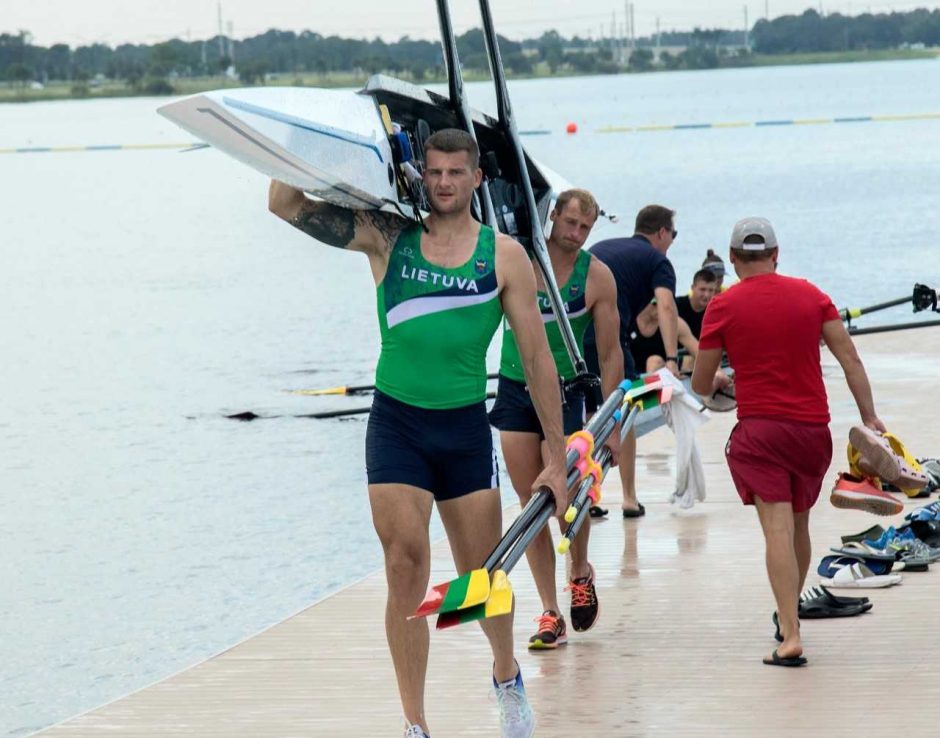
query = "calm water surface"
{"x": 148, "y": 292}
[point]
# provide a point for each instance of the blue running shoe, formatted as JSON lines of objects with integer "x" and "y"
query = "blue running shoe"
{"x": 927, "y": 512}
{"x": 882, "y": 542}
{"x": 516, "y": 719}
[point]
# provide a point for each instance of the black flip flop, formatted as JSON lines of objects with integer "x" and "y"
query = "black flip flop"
{"x": 778, "y": 636}
{"x": 597, "y": 512}
{"x": 638, "y": 513}
{"x": 778, "y": 660}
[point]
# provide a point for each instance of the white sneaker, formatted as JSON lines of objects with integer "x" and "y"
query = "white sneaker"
{"x": 516, "y": 719}
{"x": 414, "y": 731}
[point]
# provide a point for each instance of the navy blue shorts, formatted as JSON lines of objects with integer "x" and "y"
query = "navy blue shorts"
{"x": 514, "y": 410}
{"x": 593, "y": 365}
{"x": 447, "y": 452}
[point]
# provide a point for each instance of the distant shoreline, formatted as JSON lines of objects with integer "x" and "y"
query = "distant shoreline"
{"x": 67, "y": 90}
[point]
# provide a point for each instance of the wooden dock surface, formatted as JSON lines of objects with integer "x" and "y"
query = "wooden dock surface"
{"x": 685, "y": 620}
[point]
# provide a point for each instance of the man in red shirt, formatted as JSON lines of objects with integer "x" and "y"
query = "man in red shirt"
{"x": 780, "y": 450}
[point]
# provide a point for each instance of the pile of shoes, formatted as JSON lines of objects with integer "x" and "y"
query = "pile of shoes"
{"x": 930, "y": 467}
{"x": 880, "y": 462}
{"x": 874, "y": 557}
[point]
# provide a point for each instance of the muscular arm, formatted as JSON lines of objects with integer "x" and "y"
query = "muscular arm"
{"x": 686, "y": 339}
{"x": 647, "y": 322}
{"x": 703, "y": 376}
{"x": 668, "y": 321}
{"x": 602, "y": 290}
{"x": 518, "y": 296}
{"x": 842, "y": 347}
{"x": 370, "y": 231}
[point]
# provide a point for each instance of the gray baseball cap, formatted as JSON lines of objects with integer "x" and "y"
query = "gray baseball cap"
{"x": 753, "y": 227}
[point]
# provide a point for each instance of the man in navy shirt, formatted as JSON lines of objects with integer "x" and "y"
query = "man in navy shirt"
{"x": 642, "y": 272}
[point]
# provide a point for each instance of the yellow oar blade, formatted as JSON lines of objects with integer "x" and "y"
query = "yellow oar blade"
{"x": 498, "y": 603}
{"x": 466, "y": 591}
{"x": 318, "y": 392}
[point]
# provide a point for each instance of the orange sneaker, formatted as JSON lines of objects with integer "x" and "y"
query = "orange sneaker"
{"x": 860, "y": 493}
{"x": 552, "y": 632}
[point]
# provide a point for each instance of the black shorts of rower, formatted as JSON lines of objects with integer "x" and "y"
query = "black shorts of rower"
{"x": 514, "y": 410}
{"x": 593, "y": 365}
{"x": 446, "y": 452}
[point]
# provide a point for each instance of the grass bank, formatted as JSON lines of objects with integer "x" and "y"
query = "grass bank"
{"x": 10, "y": 93}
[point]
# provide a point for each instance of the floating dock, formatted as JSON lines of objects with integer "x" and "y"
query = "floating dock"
{"x": 685, "y": 621}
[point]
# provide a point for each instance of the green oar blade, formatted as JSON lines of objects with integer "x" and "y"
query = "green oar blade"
{"x": 465, "y": 591}
{"x": 498, "y": 603}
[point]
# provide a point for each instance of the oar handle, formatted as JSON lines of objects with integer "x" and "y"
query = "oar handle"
{"x": 525, "y": 518}
{"x": 540, "y": 519}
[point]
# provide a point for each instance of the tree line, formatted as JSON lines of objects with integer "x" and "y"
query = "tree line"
{"x": 287, "y": 52}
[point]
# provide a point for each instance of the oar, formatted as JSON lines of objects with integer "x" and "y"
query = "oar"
{"x": 922, "y": 298}
{"x": 460, "y": 104}
{"x": 581, "y": 497}
{"x": 508, "y": 124}
{"x": 362, "y": 389}
{"x": 499, "y": 598}
{"x": 896, "y": 327}
{"x": 475, "y": 587}
{"x": 247, "y": 415}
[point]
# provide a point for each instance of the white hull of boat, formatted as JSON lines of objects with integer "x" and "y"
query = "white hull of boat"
{"x": 329, "y": 143}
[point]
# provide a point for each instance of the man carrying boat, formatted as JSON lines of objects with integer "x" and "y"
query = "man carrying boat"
{"x": 441, "y": 296}
{"x": 589, "y": 294}
{"x": 780, "y": 450}
{"x": 642, "y": 272}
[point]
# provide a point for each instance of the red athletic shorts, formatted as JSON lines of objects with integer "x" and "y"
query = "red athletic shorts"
{"x": 779, "y": 460}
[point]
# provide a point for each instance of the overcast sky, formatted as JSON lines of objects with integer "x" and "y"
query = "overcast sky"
{"x": 79, "y": 22}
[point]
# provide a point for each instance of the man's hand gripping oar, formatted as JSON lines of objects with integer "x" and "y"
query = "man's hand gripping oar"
{"x": 486, "y": 592}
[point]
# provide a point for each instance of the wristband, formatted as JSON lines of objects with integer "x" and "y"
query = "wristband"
{"x": 673, "y": 359}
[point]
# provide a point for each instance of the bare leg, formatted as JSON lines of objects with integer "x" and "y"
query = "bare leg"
{"x": 523, "y": 455}
{"x": 802, "y": 545}
{"x": 400, "y": 514}
{"x": 579, "y": 550}
{"x": 474, "y": 524}
{"x": 776, "y": 519}
{"x": 627, "y": 469}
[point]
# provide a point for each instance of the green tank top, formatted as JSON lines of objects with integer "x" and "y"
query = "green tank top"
{"x": 436, "y": 324}
{"x": 573, "y": 295}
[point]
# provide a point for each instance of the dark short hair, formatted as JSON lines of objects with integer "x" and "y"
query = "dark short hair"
{"x": 653, "y": 217}
{"x": 705, "y": 275}
{"x": 452, "y": 140}
{"x": 585, "y": 201}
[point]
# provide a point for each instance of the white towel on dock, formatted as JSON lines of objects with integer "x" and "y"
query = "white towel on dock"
{"x": 684, "y": 414}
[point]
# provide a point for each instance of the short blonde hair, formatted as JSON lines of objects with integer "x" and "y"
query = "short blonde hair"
{"x": 584, "y": 199}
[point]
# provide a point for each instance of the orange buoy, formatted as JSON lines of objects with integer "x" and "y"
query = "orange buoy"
{"x": 572, "y": 128}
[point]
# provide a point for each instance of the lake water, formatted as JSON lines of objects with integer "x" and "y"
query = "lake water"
{"x": 148, "y": 292}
